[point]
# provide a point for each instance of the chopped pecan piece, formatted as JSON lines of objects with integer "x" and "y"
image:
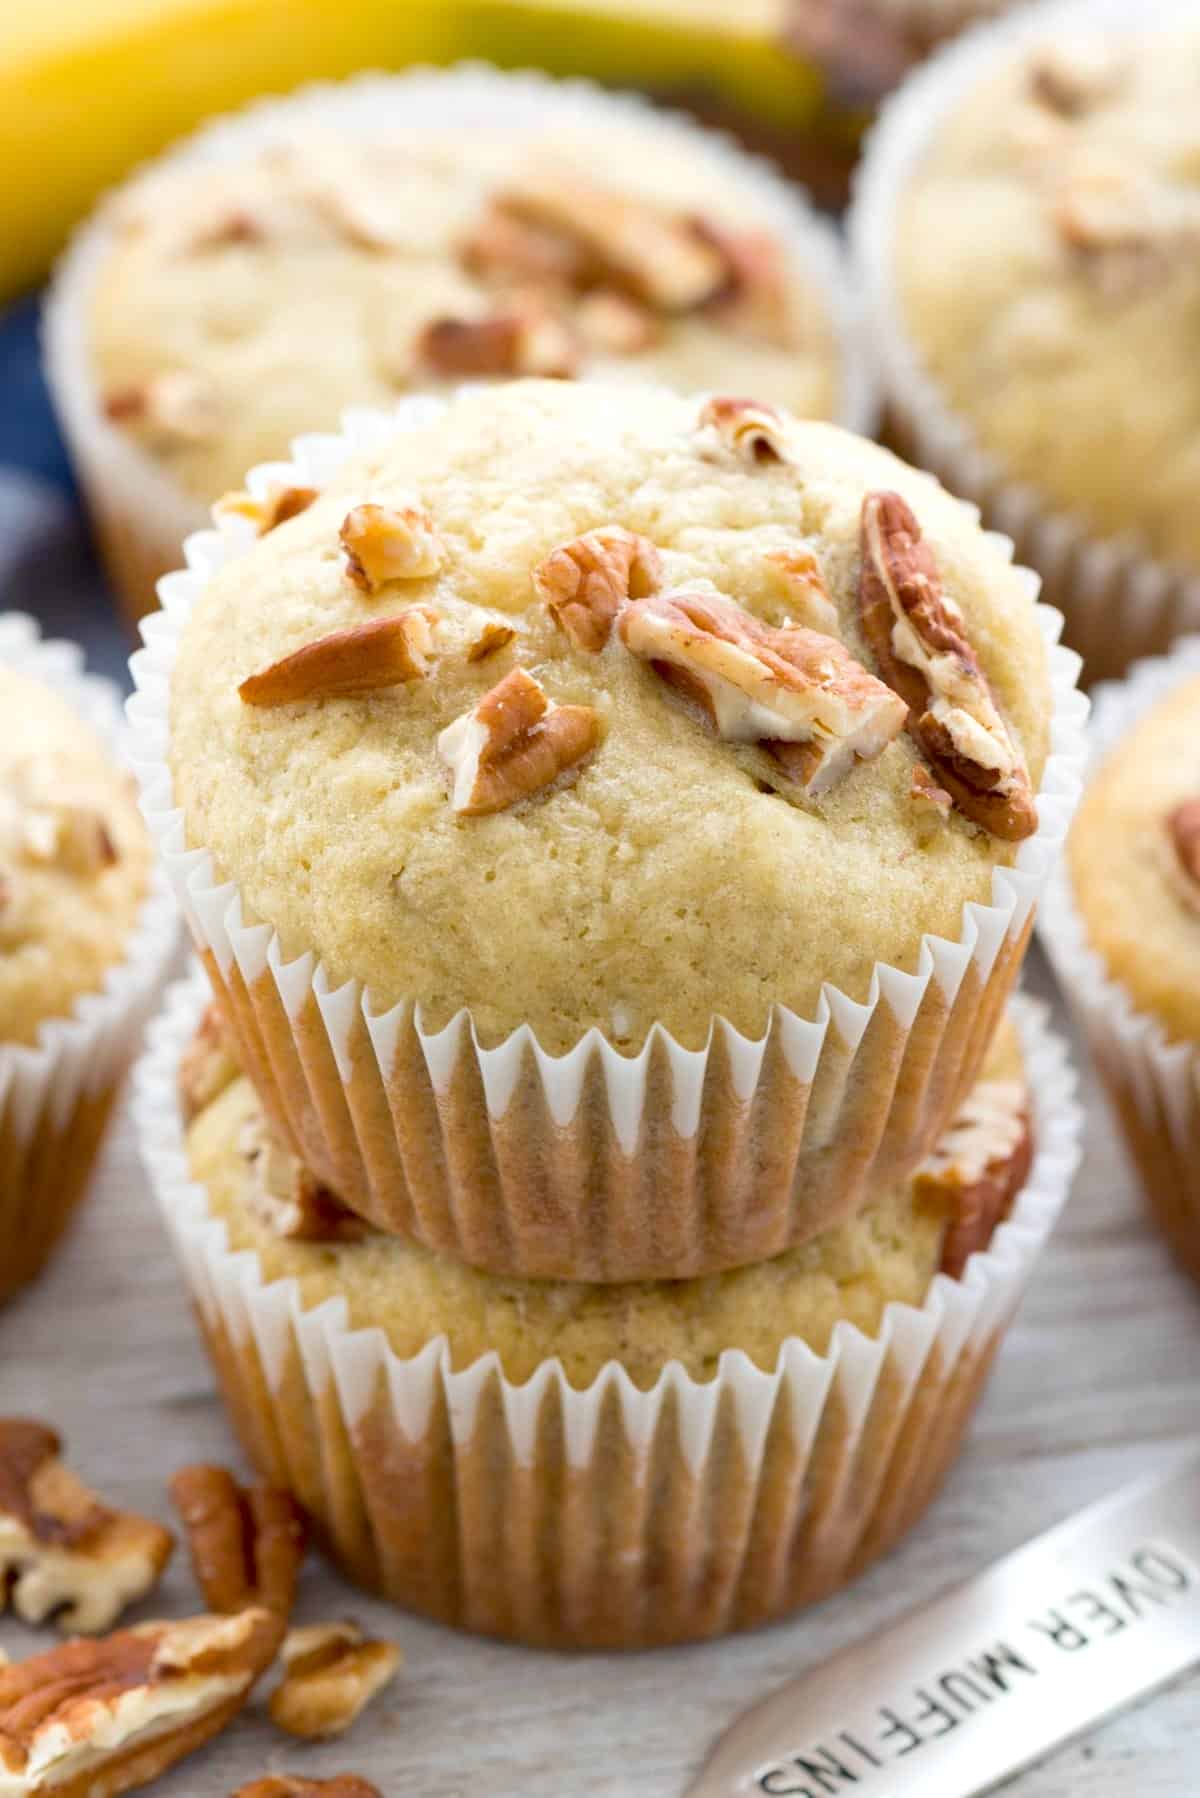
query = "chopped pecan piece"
{"x": 246, "y": 1545}
{"x": 798, "y": 574}
{"x": 521, "y": 338}
{"x": 978, "y": 1168}
{"x": 289, "y": 1199}
{"x": 207, "y": 1066}
{"x": 1072, "y": 75}
{"x": 361, "y": 659}
{"x": 929, "y": 801}
{"x": 504, "y": 248}
{"x": 585, "y": 583}
{"x": 90, "y": 1719}
{"x": 1183, "y": 833}
{"x": 64, "y": 1553}
{"x": 389, "y": 543}
{"x": 493, "y": 637}
{"x": 919, "y": 639}
{"x": 757, "y": 296}
{"x": 626, "y": 243}
{"x": 512, "y": 744}
{"x": 280, "y": 504}
{"x": 799, "y": 694}
{"x": 294, "y": 1785}
{"x": 331, "y": 1673}
{"x": 754, "y": 431}
{"x": 75, "y": 838}
{"x": 177, "y": 406}
{"x": 616, "y": 325}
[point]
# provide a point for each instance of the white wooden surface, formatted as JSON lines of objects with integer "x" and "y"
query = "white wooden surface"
{"x": 1099, "y": 1381}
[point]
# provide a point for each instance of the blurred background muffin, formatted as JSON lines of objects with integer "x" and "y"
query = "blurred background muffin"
{"x": 396, "y": 236}
{"x": 85, "y": 929}
{"x": 1027, "y": 228}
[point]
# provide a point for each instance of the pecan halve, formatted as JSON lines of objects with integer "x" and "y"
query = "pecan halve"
{"x": 977, "y": 1169}
{"x": 280, "y": 503}
{"x": 364, "y": 658}
{"x": 1183, "y": 834}
{"x": 585, "y": 583}
{"x": 625, "y": 242}
{"x": 246, "y": 1544}
{"x": 95, "y": 1717}
{"x": 64, "y": 1553}
{"x": 389, "y": 543}
{"x": 755, "y": 432}
{"x": 919, "y": 639}
{"x": 799, "y": 694}
{"x": 207, "y": 1066}
{"x": 331, "y": 1673}
{"x": 295, "y": 1785}
{"x": 287, "y": 1197}
{"x": 512, "y": 744}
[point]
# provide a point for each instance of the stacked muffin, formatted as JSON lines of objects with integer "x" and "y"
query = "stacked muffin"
{"x": 611, "y": 824}
{"x": 351, "y": 244}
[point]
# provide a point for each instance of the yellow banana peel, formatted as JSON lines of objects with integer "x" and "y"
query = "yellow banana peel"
{"x": 89, "y": 88}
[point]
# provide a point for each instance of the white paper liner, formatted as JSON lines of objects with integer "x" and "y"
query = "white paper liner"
{"x": 607, "y": 1516}
{"x": 141, "y": 514}
{"x": 1119, "y": 601}
{"x": 594, "y": 1164}
{"x": 1154, "y": 1083}
{"x": 55, "y": 1094}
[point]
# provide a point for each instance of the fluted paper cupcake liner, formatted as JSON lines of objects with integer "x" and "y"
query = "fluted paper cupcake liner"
{"x": 141, "y": 514}
{"x": 607, "y": 1516}
{"x": 56, "y": 1094}
{"x": 593, "y": 1165}
{"x": 1119, "y": 601}
{"x": 1154, "y": 1084}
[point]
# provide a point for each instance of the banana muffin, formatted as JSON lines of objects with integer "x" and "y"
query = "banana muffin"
{"x": 81, "y": 946}
{"x": 583, "y": 709}
{"x": 1037, "y": 297}
{"x": 617, "y": 1466}
{"x": 1127, "y": 937}
{"x": 458, "y": 228}
{"x": 580, "y": 712}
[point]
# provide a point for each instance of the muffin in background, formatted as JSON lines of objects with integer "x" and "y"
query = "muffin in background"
{"x": 1123, "y": 926}
{"x": 557, "y": 1464}
{"x": 398, "y": 235}
{"x": 85, "y": 930}
{"x": 1026, "y": 227}
{"x": 660, "y": 974}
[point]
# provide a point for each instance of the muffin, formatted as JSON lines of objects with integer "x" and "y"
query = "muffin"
{"x": 1026, "y": 231}
{"x": 354, "y": 244}
{"x": 84, "y": 934}
{"x": 1124, "y": 927}
{"x": 616, "y": 1466}
{"x": 620, "y": 931}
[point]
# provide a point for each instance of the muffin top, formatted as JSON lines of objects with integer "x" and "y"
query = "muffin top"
{"x": 1134, "y": 859}
{"x": 887, "y": 1253}
{"x": 572, "y": 705}
{"x": 74, "y": 859}
{"x": 1049, "y": 267}
{"x": 242, "y": 303}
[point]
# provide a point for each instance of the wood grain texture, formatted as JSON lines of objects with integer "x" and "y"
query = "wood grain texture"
{"x": 1099, "y": 1382}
